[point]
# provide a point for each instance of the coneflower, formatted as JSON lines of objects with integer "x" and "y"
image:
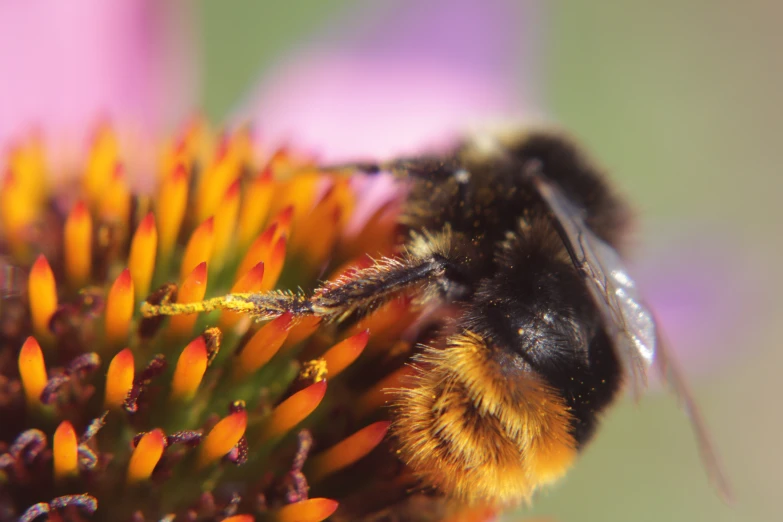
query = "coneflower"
{"x": 110, "y": 416}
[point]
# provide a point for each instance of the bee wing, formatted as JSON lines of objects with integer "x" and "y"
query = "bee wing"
{"x": 627, "y": 319}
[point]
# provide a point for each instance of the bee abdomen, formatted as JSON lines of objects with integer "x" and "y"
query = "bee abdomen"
{"x": 478, "y": 432}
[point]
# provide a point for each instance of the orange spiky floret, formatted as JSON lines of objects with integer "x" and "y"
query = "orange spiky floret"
{"x": 222, "y": 173}
{"x": 172, "y": 202}
{"x": 301, "y": 330}
{"x": 141, "y": 259}
{"x": 269, "y": 248}
{"x": 77, "y": 239}
{"x": 240, "y": 518}
{"x": 249, "y": 282}
{"x": 27, "y": 161}
{"x": 311, "y": 510}
{"x": 114, "y": 205}
{"x": 199, "y": 248}
{"x": 224, "y": 436}
{"x": 262, "y": 346}
{"x": 32, "y": 371}
{"x": 65, "y": 451}
{"x": 146, "y": 456}
{"x": 193, "y": 289}
{"x": 255, "y": 207}
{"x": 43, "y": 296}
{"x": 347, "y": 451}
{"x": 225, "y": 223}
{"x": 317, "y": 233}
{"x": 101, "y": 164}
{"x": 297, "y": 193}
{"x": 341, "y": 355}
{"x": 119, "y": 379}
{"x": 119, "y": 309}
{"x": 293, "y": 410}
{"x": 190, "y": 369}
{"x": 18, "y": 210}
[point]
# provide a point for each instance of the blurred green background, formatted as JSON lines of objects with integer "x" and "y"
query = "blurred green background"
{"x": 682, "y": 102}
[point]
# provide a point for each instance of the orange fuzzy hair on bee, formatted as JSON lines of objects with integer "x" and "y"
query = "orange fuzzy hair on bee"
{"x": 480, "y": 431}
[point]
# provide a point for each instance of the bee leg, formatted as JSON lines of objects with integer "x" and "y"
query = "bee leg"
{"x": 425, "y": 270}
{"x": 361, "y": 292}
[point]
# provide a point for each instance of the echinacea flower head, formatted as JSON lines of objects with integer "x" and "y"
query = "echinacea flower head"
{"x": 109, "y": 414}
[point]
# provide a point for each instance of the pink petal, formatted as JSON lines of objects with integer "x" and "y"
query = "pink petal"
{"x": 403, "y": 79}
{"x": 65, "y": 65}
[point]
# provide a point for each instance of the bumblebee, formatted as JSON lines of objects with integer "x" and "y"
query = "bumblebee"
{"x": 521, "y": 235}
